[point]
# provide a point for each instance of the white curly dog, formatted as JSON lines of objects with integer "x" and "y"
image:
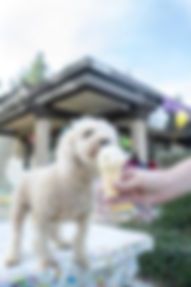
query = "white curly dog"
{"x": 61, "y": 191}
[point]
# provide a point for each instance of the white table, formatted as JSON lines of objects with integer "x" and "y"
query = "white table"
{"x": 113, "y": 255}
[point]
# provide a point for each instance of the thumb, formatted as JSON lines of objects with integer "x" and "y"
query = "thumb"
{"x": 127, "y": 185}
{"x": 128, "y": 173}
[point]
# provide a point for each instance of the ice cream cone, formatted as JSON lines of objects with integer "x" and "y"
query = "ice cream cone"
{"x": 111, "y": 161}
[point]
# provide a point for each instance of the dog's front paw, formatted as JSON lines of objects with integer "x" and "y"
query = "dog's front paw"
{"x": 47, "y": 263}
{"x": 12, "y": 261}
{"x": 82, "y": 262}
{"x": 64, "y": 245}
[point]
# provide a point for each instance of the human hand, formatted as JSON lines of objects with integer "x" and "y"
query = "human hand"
{"x": 142, "y": 187}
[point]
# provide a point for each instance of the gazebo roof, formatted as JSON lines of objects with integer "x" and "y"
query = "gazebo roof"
{"x": 84, "y": 87}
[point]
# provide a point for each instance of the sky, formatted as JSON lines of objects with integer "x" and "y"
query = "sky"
{"x": 149, "y": 39}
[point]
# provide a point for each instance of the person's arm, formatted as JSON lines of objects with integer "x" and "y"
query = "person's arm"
{"x": 177, "y": 180}
{"x": 155, "y": 187}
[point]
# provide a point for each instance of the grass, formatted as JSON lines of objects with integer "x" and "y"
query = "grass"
{"x": 170, "y": 262}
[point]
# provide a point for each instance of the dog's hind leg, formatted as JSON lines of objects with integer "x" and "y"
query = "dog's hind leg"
{"x": 19, "y": 212}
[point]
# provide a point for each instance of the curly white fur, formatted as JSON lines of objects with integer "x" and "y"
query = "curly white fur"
{"x": 61, "y": 191}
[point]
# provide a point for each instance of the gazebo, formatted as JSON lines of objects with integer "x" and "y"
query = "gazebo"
{"x": 86, "y": 87}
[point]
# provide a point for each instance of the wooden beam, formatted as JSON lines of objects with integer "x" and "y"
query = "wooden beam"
{"x": 10, "y": 133}
{"x": 13, "y": 134}
{"x": 127, "y": 112}
{"x": 63, "y": 114}
{"x": 114, "y": 115}
{"x": 52, "y": 112}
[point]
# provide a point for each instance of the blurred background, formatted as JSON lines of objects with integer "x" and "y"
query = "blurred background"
{"x": 128, "y": 61}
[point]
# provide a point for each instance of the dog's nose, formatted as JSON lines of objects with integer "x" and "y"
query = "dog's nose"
{"x": 104, "y": 142}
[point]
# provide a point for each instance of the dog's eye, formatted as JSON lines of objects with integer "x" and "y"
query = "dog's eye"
{"x": 105, "y": 142}
{"x": 88, "y": 133}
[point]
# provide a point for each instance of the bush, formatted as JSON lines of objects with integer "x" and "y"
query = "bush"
{"x": 176, "y": 216}
{"x": 170, "y": 262}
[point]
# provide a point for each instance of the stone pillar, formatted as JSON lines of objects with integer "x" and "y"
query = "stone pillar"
{"x": 42, "y": 141}
{"x": 18, "y": 149}
{"x": 140, "y": 138}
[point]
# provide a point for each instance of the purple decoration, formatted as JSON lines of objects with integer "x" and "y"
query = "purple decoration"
{"x": 174, "y": 106}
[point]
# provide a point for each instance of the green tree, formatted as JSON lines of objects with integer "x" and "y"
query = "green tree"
{"x": 37, "y": 72}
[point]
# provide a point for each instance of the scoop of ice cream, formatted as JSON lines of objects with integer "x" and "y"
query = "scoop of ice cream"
{"x": 111, "y": 160}
{"x": 111, "y": 157}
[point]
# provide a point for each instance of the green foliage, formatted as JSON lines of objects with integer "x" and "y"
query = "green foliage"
{"x": 125, "y": 142}
{"x": 169, "y": 264}
{"x": 169, "y": 156}
{"x": 171, "y": 260}
{"x": 176, "y": 216}
{"x": 37, "y": 72}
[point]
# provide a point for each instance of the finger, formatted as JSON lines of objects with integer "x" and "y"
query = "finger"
{"x": 128, "y": 173}
{"x": 137, "y": 200}
{"x": 127, "y": 185}
{"x": 143, "y": 200}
